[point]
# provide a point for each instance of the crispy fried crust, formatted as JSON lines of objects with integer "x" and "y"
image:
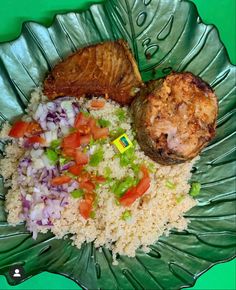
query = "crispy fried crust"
{"x": 175, "y": 117}
{"x": 106, "y": 68}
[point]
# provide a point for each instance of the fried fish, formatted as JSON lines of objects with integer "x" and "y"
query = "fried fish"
{"x": 107, "y": 68}
{"x": 175, "y": 117}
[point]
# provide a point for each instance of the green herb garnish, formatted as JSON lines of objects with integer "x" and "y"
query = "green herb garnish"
{"x": 195, "y": 189}
{"x": 77, "y": 193}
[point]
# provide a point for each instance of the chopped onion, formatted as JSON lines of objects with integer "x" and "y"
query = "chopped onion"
{"x": 41, "y": 201}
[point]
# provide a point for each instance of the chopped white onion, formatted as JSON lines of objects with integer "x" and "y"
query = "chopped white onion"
{"x": 38, "y": 163}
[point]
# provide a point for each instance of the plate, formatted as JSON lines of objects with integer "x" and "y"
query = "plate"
{"x": 164, "y": 35}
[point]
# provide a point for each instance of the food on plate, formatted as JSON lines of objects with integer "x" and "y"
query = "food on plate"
{"x": 175, "y": 117}
{"x": 73, "y": 164}
{"x": 106, "y": 68}
{"x": 65, "y": 175}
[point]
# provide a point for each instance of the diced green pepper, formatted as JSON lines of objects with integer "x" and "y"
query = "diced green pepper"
{"x": 92, "y": 214}
{"x": 151, "y": 167}
{"x": 72, "y": 130}
{"x": 170, "y": 184}
{"x": 107, "y": 172}
{"x": 127, "y": 157}
{"x": 120, "y": 114}
{"x": 117, "y": 202}
{"x": 126, "y": 215}
{"x": 116, "y": 132}
{"x": 179, "y": 198}
{"x": 130, "y": 153}
{"x": 104, "y": 123}
{"x": 52, "y": 156}
{"x": 86, "y": 114}
{"x": 71, "y": 175}
{"x": 120, "y": 187}
{"x": 91, "y": 142}
{"x": 97, "y": 157}
{"x": 55, "y": 144}
{"x": 63, "y": 160}
{"x": 195, "y": 189}
{"x": 77, "y": 193}
{"x": 136, "y": 168}
{"x": 124, "y": 160}
{"x": 114, "y": 185}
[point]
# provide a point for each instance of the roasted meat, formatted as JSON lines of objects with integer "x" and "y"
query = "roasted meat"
{"x": 175, "y": 117}
{"x": 106, "y": 68}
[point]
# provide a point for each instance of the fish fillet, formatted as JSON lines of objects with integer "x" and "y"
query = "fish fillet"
{"x": 106, "y": 68}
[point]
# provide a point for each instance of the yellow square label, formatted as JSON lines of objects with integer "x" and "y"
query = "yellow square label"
{"x": 122, "y": 143}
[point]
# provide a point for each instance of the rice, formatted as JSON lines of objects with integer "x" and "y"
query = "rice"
{"x": 155, "y": 213}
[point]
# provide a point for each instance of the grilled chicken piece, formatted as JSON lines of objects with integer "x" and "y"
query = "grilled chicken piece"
{"x": 106, "y": 68}
{"x": 175, "y": 117}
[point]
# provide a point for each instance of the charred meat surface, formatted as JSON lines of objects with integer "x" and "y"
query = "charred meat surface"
{"x": 175, "y": 117}
{"x": 106, "y": 68}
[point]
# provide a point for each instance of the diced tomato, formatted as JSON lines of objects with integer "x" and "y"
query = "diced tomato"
{"x": 129, "y": 197}
{"x": 89, "y": 196}
{"x": 97, "y": 104}
{"x": 100, "y": 133}
{"x": 92, "y": 124}
{"x": 84, "y": 176}
{"x": 136, "y": 191}
{"x": 18, "y": 129}
{"x": 36, "y": 139}
{"x": 59, "y": 180}
{"x": 144, "y": 170}
{"x": 71, "y": 141}
{"x": 84, "y": 129}
{"x": 80, "y": 120}
{"x": 100, "y": 179}
{"x": 76, "y": 169}
{"x": 69, "y": 152}
{"x": 143, "y": 186}
{"x": 85, "y": 208}
{"x": 34, "y": 128}
{"x": 81, "y": 158}
{"x": 96, "y": 131}
{"x": 21, "y": 128}
{"x": 84, "y": 140}
{"x": 87, "y": 185}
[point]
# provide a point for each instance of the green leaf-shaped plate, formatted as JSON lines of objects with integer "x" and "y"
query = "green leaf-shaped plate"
{"x": 164, "y": 35}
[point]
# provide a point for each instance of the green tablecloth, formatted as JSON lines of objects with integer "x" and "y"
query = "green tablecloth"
{"x": 219, "y": 12}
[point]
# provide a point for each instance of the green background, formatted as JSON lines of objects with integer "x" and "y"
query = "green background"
{"x": 222, "y": 13}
